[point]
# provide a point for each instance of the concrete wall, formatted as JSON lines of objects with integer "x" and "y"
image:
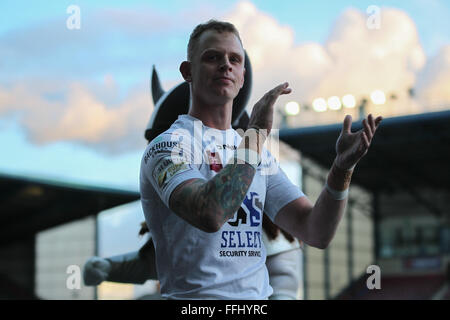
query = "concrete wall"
{"x": 57, "y": 249}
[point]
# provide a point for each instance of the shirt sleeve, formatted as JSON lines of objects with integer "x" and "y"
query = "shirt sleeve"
{"x": 167, "y": 163}
{"x": 280, "y": 190}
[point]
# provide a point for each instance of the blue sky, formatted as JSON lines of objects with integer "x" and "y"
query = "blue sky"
{"x": 46, "y": 68}
{"x": 311, "y": 21}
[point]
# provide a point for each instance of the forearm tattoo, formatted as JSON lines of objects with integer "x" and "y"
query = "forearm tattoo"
{"x": 339, "y": 179}
{"x": 221, "y": 196}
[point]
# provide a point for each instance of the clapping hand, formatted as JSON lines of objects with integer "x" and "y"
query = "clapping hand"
{"x": 352, "y": 146}
{"x": 262, "y": 113}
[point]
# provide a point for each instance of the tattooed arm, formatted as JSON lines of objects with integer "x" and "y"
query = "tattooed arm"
{"x": 207, "y": 205}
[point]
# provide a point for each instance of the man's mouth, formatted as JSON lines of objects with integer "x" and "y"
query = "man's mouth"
{"x": 224, "y": 79}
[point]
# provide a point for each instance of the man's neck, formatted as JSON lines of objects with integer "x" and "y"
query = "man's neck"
{"x": 215, "y": 116}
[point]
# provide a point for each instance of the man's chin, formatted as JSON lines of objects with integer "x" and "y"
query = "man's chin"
{"x": 224, "y": 96}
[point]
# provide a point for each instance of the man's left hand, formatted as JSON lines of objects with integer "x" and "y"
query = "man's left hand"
{"x": 352, "y": 146}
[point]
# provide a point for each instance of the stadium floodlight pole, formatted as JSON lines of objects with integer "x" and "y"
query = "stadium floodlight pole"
{"x": 362, "y": 108}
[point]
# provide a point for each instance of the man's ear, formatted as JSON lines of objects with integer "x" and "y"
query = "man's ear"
{"x": 185, "y": 69}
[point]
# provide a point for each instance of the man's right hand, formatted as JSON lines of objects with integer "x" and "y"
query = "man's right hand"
{"x": 262, "y": 113}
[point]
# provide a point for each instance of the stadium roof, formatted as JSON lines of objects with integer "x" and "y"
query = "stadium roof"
{"x": 408, "y": 152}
{"x": 29, "y": 205}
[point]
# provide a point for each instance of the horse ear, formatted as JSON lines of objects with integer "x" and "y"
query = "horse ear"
{"x": 156, "y": 88}
{"x": 173, "y": 103}
{"x": 241, "y": 100}
{"x": 144, "y": 229}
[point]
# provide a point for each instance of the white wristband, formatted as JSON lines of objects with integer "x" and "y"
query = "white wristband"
{"x": 337, "y": 195}
{"x": 248, "y": 156}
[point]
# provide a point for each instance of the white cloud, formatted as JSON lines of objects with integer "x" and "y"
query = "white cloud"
{"x": 49, "y": 74}
{"x": 80, "y": 114}
{"x": 433, "y": 86}
{"x": 354, "y": 59}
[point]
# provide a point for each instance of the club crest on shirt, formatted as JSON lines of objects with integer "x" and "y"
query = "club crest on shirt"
{"x": 214, "y": 161}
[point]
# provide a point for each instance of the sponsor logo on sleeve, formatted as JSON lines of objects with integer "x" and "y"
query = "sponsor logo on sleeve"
{"x": 166, "y": 169}
{"x": 165, "y": 146}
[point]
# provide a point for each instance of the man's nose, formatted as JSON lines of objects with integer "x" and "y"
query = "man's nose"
{"x": 225, "y": 65}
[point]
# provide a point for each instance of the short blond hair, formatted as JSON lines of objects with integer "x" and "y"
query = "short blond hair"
{"x": 219, "y": 26}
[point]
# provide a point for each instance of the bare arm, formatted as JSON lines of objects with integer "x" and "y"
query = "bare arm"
{"x": 207, "y": 205}
{"x": 316, "y": 225}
